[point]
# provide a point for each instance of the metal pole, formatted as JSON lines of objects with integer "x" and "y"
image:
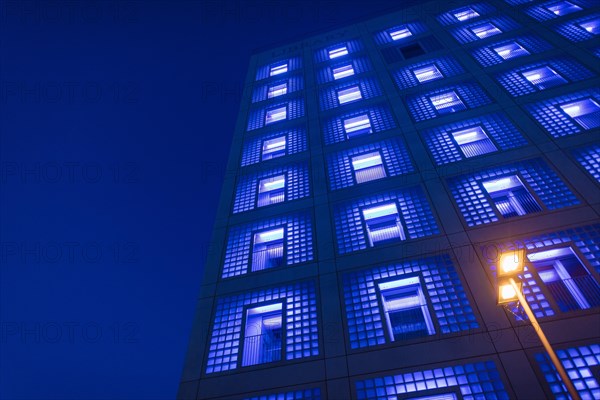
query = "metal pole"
{"x": 538, "y": 329}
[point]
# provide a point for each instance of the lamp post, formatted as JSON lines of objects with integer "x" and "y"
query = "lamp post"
{"x": 510, "y": 265}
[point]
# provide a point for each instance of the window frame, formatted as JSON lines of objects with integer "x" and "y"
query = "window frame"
{"x": 525, "y": 184}
{"x": 277, "y": 65}
{"x": 497, "y": 31}
{"x": 285, "y": 187}
{"x": 458, "y": 146}
{"x": 455, "y": 389}
{"x": 253, "y": 244}
{"x": 556, "y": 76}
{"x": 273, "y": 109}
{"x": 345, "y": 65}
{"x": 337, "y": 49}
{"x": 435, "y": 66}
{"x": 398, "y": 29}
{"x": 348, "y": 88}
{"x": 274, "y": 85}
{"x": 385, "y": 170}
{"x": 262, "y": 147}
{"x": 515, "y": 42}
{"x": 365, "y": 229}
{"x": 469, "y": 10}
{"x": 437, "y": 110}
{"x": 560, "y": 108}
{"x": 242, "y": 344}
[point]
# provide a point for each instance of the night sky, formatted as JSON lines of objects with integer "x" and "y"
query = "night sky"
{"x": 116, "y": 121}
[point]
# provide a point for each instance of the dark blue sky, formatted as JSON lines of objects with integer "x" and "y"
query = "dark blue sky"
{"x": 116, "y": 120}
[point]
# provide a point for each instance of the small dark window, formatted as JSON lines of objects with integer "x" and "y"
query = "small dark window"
{"x": 412, "y": 50}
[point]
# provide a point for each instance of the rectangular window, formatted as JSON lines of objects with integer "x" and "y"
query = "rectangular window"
{"x": 427, "y": 73}
{"x": 342, "y": 72}
{"x": 543, "y": 77}
{"x": 368, "y": 167}
{"x": 448, "y": 102}
{"x": 263, "y": 335}
{"x": 400, "y": 33}
{"x": 273, "y": 148}
{"x": 485, "y": 30}
{"x": 412, "y": 50}
{"x": 473, "y": 141}
{"x": 276, "y": 114}
{"x": 511, "y": 50}
{"x": 268, "y": 249}
{"x": 465, "y": 14}
{"x": 585, "y": 112}
{"x": 511, "y": 197}
{"x": 271, "y": 190}
{"x": 348, "y": 95}
{"x": 437, "y": 396}
{"x": 338, "y": 52}
{"x": 405, "y": 308}
{"x": 357, "y": 126}
{"x": 563, "y": 8}
{"x": 383, "y": 224}
{"x": 278, "y": 69}
{"x": 566, "y": 278}
{"x": 277, "y": 90}
{"x": 592, "y": 26}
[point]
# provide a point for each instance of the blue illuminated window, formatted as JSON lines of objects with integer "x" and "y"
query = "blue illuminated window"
{"x": 591, "y": 26}
{"x": 267, "y": 251}
{"x": 465, "y": 14}
{"x": 338, "y": 52}
{"x": 580, "y": 29}
{"x": 510, "y": 196}
{"x": 585, "y": 112}
{"x": 399, "y": 33}
{"x": 510, "y": 50}
{"x": 258, "y": 148}
{"x": 273, "y": 148}
{"x": 421, "y": 72}
{"x": 448, "y": 102}
{"x": 405, "y": 309}
{"x": 278, "y": 69}
{"x": 342, "y": 72}
{"x": 485, "y": 30}
{"x": 562, "y": 8}
{"x": 361, "y": 121}
{"x": 427, "y": 73}
{"x": 462, "y": 14}
{"x": 382, "y": 224}
{"x": 368, "y": 167}
{"x": 473, "y": 141}
{"x": 348, "y": 95}
{"x": 543, "y": 77}
{"x": 357, "y": 126}
{"x": 277, "y": 90}
{"x": 589, "y": 158}
{"x": 263, "y": 335}
{"x": 271, "y": 190}
{"x": 275, "y": 114}
{"x": 501, "y": 51}
{"x": 258, "y": 117}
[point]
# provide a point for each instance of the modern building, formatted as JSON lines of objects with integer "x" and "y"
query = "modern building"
{"x": 376, "y": 173}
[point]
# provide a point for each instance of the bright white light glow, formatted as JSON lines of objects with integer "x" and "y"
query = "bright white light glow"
{"x": 507, "y": 292}
{"x": 342, "y": 72}
{"x": 510, "y": 50}
{"x": 485, "y": 30}
{"x": 277, "y": 90}
{"x": 427, "y": 73}
{"x": 348, "y": 95}
{"x": 469, "y": 135}
{"x": 366, "y": 160}
{"x": 275, "y": 115}
{"x": 279, "y": 69}
{"x": 592, "y": 27}
{"x": 269, "y": 236}
{"x": 466, "y": 14}
{"x": 498, "y": 185}
{"x": 264, "y": 309}
{"x": 380, "y": 211}
{"x": 338, "y": 52}
{"x": 580, "y": 108}
{"x": 400, "y": 33}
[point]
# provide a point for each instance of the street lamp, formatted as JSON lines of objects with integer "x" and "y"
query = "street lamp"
{"x": 510, "y": 265}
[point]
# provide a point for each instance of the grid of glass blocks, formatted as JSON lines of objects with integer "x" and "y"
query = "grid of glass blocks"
{"x": 305, "y": 394}
{"x": 415, "y": 74}
{"x": 556, "y": 8}
{"x": 445, "y": 148}
{"x": 275, "y": 113}
{"x": 272, "y": 145}
{"x": 418, "y": 219}
{"x": 297, "y": 241}
{"x": 338, "y": 50}
{"x": 475, "y": 205}
{"x": 333, "y": 96}
{"x": 400, "y": 33}
{"x": 472, "y": 381}
{"x": 596, "y": 52}
{"x": 362, "y": 121}
{"x": 300, "y": 320}
{"x": 580, "y": 29}
{"x": 278, "y": 68}
{"x": 483, "y": 29}
{"x": 277, "y": 88}
{"x": 442, "y": 284}
{"x": 503, "y": 50}
{"x": 518, "y": 2}
{"x": 465, "y": 13}
{"x": 584, "y": 239}
{"x": 393, "y": 153}
{"x": 589, "y": 158}
{"x": 343, "y": 69}
{"x": 247, "y": 190}
{"x": 568, "y": 114}
{"x": 530, "y": 78}
{"x": 424, "y": 106}
{"x": 579, "y": 363}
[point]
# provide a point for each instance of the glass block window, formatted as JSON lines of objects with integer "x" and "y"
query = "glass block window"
{"x": 483, "y": 29}
{"x": 338, "y": 50}
{"x": 400, "y": 33}
{"x": 531, "y": 78}
{"x": 414, "y": 219}
{"x": 276, "y": 113}
{"x": 383, "y": 224}
{"x": 277, "y": 88}
{"x": 343, "y": 69}
{"x": 479, "y": 206}
{"x": 589, "y": 158}
{"x": 470, "y": 381}
{"x": 263, "y": 335}
{"x": 349, "y": 91}
{"x": 289, "y": 182}
{"x": 297, "y": 242}
{"x": 393, "y": 154}
{"x": 424, "y": 106}
{"x": 425, "y": 71}
{"x": 580, "y": 29}
{"x": 357, "y": 123}
{"x": 580, "y": 363}
{"x": 463, "y": 14}
{"x": 299, "y": 316}
{"x": 368, "y": 167}
{"x": 568, "y": 114}
{"x": 273, "y": 145}
{"x": 501, "y": 51}
{"x": 554, "y": 9}
{"x": 465, "y": 139}
{"x": 582, "y": 243}
{"x": 278, "y": 68}
{"x": 410, "y": 50}
{"x": 305, "y": 394}
{"x": 268, "y": 250}
{"x": 441, "y": 292}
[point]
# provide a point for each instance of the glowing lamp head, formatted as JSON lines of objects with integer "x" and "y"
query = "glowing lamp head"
{"x": 507, "y": 292}
{"x": 511, "y": 263}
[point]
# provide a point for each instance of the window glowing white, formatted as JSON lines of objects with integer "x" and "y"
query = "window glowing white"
{"x": 485, "y": 30}
{"x": 356, "y": 126}
{"x": 277, "y": 90}
{"x": 368, "y": 167}
{"x": 563, "y": 8}
{"x": 473, "y": 141}
{"x": 400, "y": 33}
{"x": 338, "y": 52}
{"x": 543, "y": 77}
{"x": 348, "y": 95}
{"x": 278, "y": 69}
{"x": 268, "y": 249}
{"x": 342, "y": 72}
{"x": 510, "y": 50}
{"x": 466, "y": 14}
{"x": 273, "y": 148}
{"x": 383, "y": 224}
{"x": 275, "y": 115}
{"x": 585, "y": 112}
{"x": 271, "y": 190}
{"x": 592, "y": 26}
{"x": 510, "y": 196}
{"x": 447, "y": 102}
{"x": 263, "y": 335}
{"x": 427, "y": 73}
